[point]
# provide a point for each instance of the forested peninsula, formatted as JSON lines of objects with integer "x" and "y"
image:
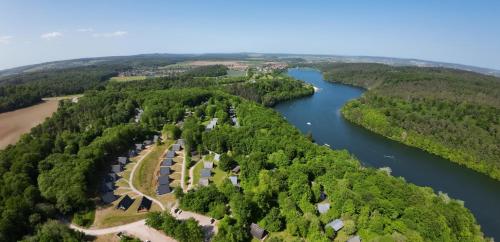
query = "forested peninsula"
{"x": 451, "y": 113}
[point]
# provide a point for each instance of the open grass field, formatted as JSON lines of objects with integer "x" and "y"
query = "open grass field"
{"x": 127, "y": 78}
{"x": 219, "y": 176}
{"x": 196, "y": 173}
{"x": 14, "y": 124}
{"x": 145, "y": 174}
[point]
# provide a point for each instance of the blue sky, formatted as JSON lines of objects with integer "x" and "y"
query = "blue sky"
{"x": 466, "y": 32}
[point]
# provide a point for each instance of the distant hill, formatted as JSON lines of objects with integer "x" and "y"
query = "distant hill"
{"x": 129, "y": 61}
{"x": 393, "y": 62}
{"x": 151, "y": 59}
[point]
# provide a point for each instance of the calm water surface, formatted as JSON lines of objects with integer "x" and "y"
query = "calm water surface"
{"x": 322, "y": 110}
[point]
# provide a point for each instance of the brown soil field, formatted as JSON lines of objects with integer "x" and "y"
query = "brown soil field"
{"x": 14, "y": 124}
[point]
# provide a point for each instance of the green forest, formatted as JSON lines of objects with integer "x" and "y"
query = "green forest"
{"x": 26, "y": 89}
{"x": 55, "y": 170}
{"x": 451, "y": 113}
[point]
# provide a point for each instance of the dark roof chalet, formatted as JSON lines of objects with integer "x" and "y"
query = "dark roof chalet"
{"x": 163, "y": 180}
{"x": 164, "y": 170}
{"x": 162, "y": 189}
{"x": 122, "y": 160}
{"x": 125, "y": 203}
{"x": 354, "y": 239}
{"x": 257, "y": 232}
{"x": 167, "y": 162}
{"x": 170, "y": 154}
{"x": 116, "y": 168}
{"x": 145, "y": 204}
{"x": 108, "y": 197}
{"x": 180, "y": 142}
{"x": 176, "y": 147}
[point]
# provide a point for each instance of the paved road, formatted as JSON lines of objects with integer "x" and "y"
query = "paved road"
{"x": 137, "y": 229}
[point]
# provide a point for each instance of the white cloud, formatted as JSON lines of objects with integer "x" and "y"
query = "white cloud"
{"x": 84, "y": 30}
{"x": 51, "y": 35}
{"x": 118, "y": 33}
{"x": 5, "y": 39}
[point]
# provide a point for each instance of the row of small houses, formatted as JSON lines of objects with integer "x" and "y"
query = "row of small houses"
{"x": 117, "y": 167}
{"x": 165, "y": 166}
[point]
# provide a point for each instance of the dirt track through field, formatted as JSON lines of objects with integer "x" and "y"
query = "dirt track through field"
{"x": 14, "y": 124}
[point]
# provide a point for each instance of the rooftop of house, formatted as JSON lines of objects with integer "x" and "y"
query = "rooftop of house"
{"x": 170, "y": 154}
{"x": 208, "y": 165}
{"x": 257, "y": 231}
{"x": 125, "y": 203}
{"x": 163, "y": 189}
{"x": 176, "y": 147}
{"x": 122, "y": 160}
{"x": 145, "y": 204}
{"x": 206, "y": 172}
{"x": 204, "y": 182}
{"x": 167, "y": 162}
{"x": 116, "y": 168}
{"x": 336, "y": 224}
{"x": 323, "y": 207}
{"x": 236, "y": 169}
{"x": 234, "y": 180}
{"x": 163, "y": 180}
{"x": 164, "y": 170}
{"x": 108, "y": 197}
